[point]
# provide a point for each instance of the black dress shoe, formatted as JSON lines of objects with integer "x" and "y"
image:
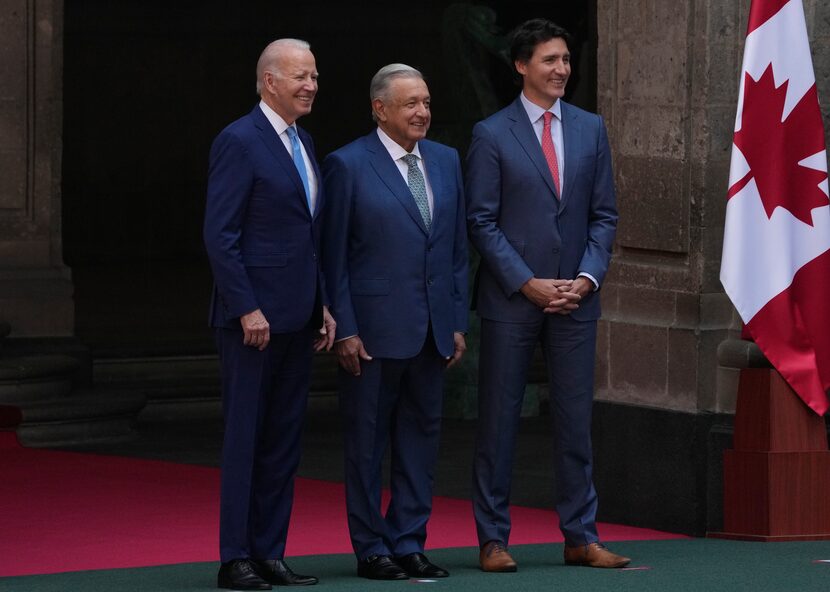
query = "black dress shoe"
{"x": 240, "y": 574}
{"x": 278, "y": 573}
{"x": 380, "y": 567}
{"x": 417, "y": 565}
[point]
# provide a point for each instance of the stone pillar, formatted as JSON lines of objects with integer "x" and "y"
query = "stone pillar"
{"x": 667, "y": 80}
{"x": 35, "y": 285}
{"x": 667, "y": 85}
{"x": 817, "y": 13}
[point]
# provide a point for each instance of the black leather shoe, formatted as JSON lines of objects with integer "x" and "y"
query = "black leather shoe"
{"x": 240, "y": 574}
{"x": 380, "y": 567}
{"x": 417, "y": 565}
{"x": 278, "y": 573}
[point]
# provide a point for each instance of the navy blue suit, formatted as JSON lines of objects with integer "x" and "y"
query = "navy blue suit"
{"x": 402, "y": 290}
{"x": 262, "y": 242}
{"x": 522, "y": 229}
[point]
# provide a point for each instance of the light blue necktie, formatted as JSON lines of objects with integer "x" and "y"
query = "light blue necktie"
{"x": 418, "y": 188}
{"x": 297, "y": 153}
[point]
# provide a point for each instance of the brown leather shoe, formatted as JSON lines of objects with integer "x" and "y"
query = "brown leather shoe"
{"x": 594, "y": 555}
{"x": 495, "y": 558}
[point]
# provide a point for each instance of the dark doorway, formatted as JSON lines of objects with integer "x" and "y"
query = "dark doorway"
{"x": 149, "y": 84}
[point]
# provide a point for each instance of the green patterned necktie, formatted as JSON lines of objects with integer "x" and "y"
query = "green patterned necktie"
{"x": 418, "y": 187}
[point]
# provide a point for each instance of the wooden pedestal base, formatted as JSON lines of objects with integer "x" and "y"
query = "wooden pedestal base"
{"x": 776, "y": 495}
{"x": 776, "y": 479}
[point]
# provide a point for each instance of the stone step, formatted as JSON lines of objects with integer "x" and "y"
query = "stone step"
{"x": 160, "y": 376}
{"x": 84, "y": 417}
{"x": 189, "y": 385}
{"x": 28, "y": 379}
{"x": 54, "y": 413}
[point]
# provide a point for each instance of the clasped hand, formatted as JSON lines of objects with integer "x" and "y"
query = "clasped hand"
{"x": 556, "y": 295}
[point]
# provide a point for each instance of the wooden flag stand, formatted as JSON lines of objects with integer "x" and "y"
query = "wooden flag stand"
{"x": 776, "y": 480}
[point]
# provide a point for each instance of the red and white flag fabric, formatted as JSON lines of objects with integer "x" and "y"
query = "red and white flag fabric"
{"x": 776, "y": 245}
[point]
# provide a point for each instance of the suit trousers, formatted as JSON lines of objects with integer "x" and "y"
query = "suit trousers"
{"x": 395, "y": 402}
{"x": 264, "y": 399}
{"x": 569, "y": 348}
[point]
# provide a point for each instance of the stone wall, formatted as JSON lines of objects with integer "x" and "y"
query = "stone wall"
{"x": 35, "y": 286}
{"x": 667, "y": 84}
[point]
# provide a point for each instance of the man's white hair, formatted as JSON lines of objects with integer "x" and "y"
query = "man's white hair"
{"x": 270, "y": 56}
{"x": 379, "y": 87}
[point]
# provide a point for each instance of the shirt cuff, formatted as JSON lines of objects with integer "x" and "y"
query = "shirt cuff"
{"x": 590, "y": 277}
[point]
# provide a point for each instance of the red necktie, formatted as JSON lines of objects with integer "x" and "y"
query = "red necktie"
{"x": 549, "y": 151}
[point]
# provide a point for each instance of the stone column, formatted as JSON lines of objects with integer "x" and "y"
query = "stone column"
{"x": 35, "y": 285}
{"x": 667, "y": 85}
{"x": 667, "y": 80}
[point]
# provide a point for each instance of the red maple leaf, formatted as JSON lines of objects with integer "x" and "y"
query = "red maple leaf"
{"x": 773, "y": 148}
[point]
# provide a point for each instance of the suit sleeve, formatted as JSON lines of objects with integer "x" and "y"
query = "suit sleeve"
{"x": 230, "y": 180}
{"x": 484, "y": 195}
{"x": 461, "y": 263}
{"x": 602, "y": 214}
{"x": 339, "y": 195}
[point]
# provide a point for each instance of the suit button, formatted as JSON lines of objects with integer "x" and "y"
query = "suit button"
{"x": 556, "y": 251}
{"x": 430, "y": 282}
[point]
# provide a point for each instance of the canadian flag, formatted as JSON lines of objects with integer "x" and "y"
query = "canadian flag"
{"x": 776, "y": 246}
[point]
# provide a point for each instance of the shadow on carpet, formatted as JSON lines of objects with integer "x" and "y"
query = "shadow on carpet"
{"x": 668, "y": 565}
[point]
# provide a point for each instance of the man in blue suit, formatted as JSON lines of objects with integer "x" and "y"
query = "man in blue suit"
{"x": 262, "y": 233}
{"x": 395, "y": 258}
{"x": 542, "y": 214}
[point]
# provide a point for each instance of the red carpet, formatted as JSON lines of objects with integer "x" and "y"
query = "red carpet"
{"x": 65, "y": 511}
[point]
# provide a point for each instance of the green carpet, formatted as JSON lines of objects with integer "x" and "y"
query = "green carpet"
{"x": 675, "y": 566}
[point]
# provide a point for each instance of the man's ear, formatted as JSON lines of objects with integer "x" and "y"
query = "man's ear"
{"x": 268, "y": 81}
{"x": 379, "y": 109}
{"x": 521, "y": 67}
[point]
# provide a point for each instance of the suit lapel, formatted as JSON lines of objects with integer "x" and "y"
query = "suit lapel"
{"x": 571, "y": 137}
{"x": 309, "y": 149}
{"x": 272, "y": 141}
{"x": 389, "y": 174}
{"x": 434, "y": 178}
{"x": 523, "y": 131}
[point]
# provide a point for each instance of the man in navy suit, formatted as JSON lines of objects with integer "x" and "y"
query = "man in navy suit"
{"x": 542, "y": 214}
{"x": 262, "y": 233}
{"x": 395, "y": 258}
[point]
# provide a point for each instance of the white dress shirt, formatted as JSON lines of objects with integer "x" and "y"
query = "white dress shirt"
{"x": 397, "y": 152}
{"x": 280, "y": 126}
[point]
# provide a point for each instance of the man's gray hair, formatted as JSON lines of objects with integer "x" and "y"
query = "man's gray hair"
{"x": 379, "y": 87}
{"x": 270, "y": 56}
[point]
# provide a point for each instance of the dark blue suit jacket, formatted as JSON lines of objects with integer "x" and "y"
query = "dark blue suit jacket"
{"x": 517, "y": 223}
{"x": 388, "y": 279}
{"x": 261, "y": 239}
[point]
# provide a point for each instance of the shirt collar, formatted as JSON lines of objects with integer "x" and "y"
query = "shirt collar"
{"x": 395, "y": 150}
{"x": 277, "y": 122}
{"x": 535, "y": 112}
